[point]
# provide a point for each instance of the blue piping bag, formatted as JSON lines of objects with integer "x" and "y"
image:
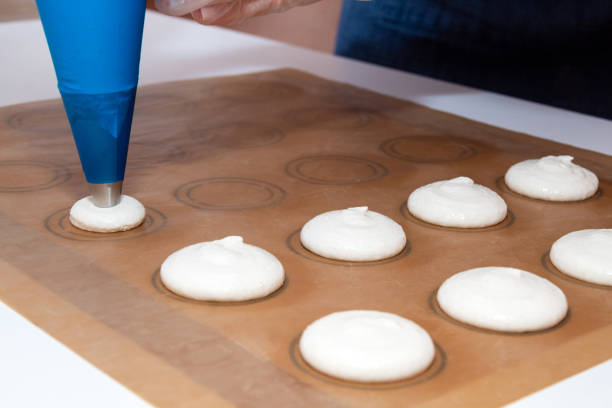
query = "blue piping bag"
{"x": 95, "y": 46}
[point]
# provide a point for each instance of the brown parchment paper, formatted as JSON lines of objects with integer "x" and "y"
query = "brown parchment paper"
{"x": 258, "y": 156}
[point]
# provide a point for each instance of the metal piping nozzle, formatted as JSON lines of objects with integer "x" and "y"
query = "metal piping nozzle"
{"x": 107, "y": 194}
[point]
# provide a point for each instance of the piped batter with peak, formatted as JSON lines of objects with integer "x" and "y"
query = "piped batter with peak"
{"x": 225, "y": 270}
{"x": 552, "y": 178}
{"x": 354, "y": 234}
{"x": 457, "y": 202}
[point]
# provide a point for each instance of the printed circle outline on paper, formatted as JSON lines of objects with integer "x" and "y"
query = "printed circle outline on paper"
{"x": 159, "y": 286}
{"x": 271, "y": 194}
{"x": 297, "y": 168}
{"x": 55, "y": 175}
{"x": 505, "y": 223}
{"x": 436, "y": 367}
{"x": 331, "y": 118}
{"x": 551, "y": 268}
{"x": 58, "y": 223}
{"x": 254, "y": 91}
{"x": 147, "y": 101}
{"x": 437, "y": 310}
{"x": 41, "y": 120}
{"x": 153, "y": 110}
{"x": 294, "y": 243}
{"x": 145, "y": 155}
{"x": 456, "y": 148}
{"x": 239, "y": 135}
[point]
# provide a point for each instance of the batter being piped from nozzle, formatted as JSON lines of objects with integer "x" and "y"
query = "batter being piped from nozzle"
{"x": 95, "y": 47}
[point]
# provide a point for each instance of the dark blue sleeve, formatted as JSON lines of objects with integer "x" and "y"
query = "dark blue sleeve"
{"x": 553, "y": 52}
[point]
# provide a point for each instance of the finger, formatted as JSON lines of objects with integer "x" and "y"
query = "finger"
{"x": 182, "y": 7}
{"x": 231, "y": 14}
{"x": 284, "y": 5}
{"x": 221, "y": 14}
{"x": 254, "y": 8}
{"x": 210, "y": 15}
{"x": 239, "y": 10}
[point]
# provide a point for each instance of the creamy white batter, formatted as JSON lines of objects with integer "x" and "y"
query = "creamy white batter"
{"x": 355, "y": 234}
{"x": 503, "y": 299}
{"x": 552, "y": 178}
{"x": 367, "y": 346}
{"x": 127, "y": 214}
{"x": 222, "y": 270}
{"x": 457, "y": 202}
{"x": 585, "y": 255}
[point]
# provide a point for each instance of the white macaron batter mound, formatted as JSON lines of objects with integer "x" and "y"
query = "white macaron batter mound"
{"x": 355, "y": 234}
{"x": 126, "y": 215}
{"x": 457, "y": 202}
{"x": 585, "y": 255}
{"x": 552, "y": 178}
{"x": 502, "y": 299}
{"x": 222, "y": 270}
{"x": 367, "y": 346}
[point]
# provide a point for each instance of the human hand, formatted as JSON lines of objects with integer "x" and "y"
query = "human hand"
{"x": 225, "y": 12}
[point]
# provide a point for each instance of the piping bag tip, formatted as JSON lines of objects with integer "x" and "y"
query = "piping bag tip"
{"x": 107, "y": 194}
{"x": 101, "y": 125}
{"x": 95, "y": 46}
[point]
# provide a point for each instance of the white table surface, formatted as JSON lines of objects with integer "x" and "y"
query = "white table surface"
{"x": 36, "y": 370}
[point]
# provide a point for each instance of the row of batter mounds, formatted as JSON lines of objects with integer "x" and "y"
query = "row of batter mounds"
{"x": 244, "y": 193}
{"x": 237, "y": 193}
{"x": 58, "y": 224}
